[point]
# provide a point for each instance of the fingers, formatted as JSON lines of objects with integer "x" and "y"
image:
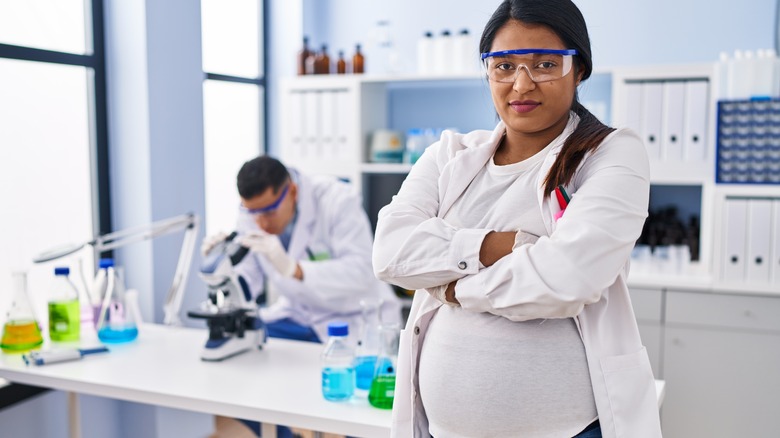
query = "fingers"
{"x": 210, "y": 242}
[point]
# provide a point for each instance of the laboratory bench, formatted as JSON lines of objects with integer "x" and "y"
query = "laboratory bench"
{"x": 280, "y": 384}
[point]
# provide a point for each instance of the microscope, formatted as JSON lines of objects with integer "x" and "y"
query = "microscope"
{"x": 231, "y": 316}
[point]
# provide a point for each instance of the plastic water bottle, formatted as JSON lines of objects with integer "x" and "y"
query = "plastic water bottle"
{"x": 64, "y": 310}
{"x": 338, "y": 364}
{"x": 425, "y": 50}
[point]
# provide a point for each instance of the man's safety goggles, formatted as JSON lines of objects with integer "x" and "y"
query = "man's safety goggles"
{"x": 268, "y": 210}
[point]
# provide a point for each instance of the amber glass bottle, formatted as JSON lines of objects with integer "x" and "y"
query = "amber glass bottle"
{"x": 341, "y": 64}
{"x": 322, "y": 62}
{"x": 302, "y": 55}
{"x": 358, "y": 61}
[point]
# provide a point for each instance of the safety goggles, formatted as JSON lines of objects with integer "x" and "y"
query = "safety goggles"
{"x": 267, "y": 210}
{"x": 542, "y": 65}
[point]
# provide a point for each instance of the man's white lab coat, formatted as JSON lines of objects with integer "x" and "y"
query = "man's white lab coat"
{"x": 331, "y": 241}
{"x": 577, "y": 270}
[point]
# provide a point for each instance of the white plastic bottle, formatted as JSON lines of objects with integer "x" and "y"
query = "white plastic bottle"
{"x": 463, "y": 54}
{"x": 338, "y": 364}
{"x": 775, "y": 60}
{"x": 735, "y": 87}
{"x": 442, "y": 54}
{"x": 425, "y": 50}
{"x": 763, "y": 74}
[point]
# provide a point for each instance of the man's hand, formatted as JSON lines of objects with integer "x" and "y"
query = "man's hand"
{"x": 210, "y": 242}
{"x": 270, "y": 246}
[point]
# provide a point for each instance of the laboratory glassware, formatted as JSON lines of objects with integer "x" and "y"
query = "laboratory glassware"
{"x": 358, "y": 61}
{"x": 322, "y": 62}
{"x": 117, "y": 320}
{"x": 302, "y": 55}
{"x": 21, "y": 331}
{"x": 382, "y": 389}
{"x": 64, "y": 309}
{"x": 341, "y": 64}
{"x": 99, "y": 288}
{"x": 368, "y": 344}
{"x": 338, "y": 369}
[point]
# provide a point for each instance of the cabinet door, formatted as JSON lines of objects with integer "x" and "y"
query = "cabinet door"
{"x": 721, "y": 383}
{"x": 647, "y": 304}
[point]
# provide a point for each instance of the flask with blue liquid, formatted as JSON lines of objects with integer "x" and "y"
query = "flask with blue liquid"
{"x": 116, "y": 321}
{"x": 338, "y": 368}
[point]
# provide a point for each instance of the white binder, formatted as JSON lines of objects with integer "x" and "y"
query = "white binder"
{"x": 775, "y": 257}
{"x": 735, "y": 231}
{"x": 652, "y": 107}
{"x": 759, "y": 243}
{"x": 327, "y": 114}
{"x": 696, "y": 113}
{"x": 672, "y": 122}
{"x": 633, "y": 113}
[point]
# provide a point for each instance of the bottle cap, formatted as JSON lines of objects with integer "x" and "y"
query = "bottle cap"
{"x": 62, "y": 270}
{"x": 106, "y": 263}
{"x": 338, "y": 329}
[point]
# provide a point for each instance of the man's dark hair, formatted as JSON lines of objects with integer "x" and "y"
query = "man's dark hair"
{"x": 258, "y": 174}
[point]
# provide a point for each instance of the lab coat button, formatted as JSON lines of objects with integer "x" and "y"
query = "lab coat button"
{"x": 416, "y": 330}
{"x": 462, "y": 265}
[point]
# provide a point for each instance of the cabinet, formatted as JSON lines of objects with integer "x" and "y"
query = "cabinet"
{"x": 721, "y": 357}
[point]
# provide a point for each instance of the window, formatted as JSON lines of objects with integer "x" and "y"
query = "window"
{"x": 233, "y": 100}
{"x": 53, "y": 163}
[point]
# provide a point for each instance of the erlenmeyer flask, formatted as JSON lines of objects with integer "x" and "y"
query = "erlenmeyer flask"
{"x": 383, "y": 386}
{"x": 117, "y": 322}
{"x": 21, "y": 331}
{"x": 368, "y": 345}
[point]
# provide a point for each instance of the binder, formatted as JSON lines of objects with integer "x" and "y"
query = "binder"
{"x": 672, "y": 124}
{"x": 296, "y": 125}
{"x": 695, "y": 129}
{"x": 758, "y": 250}
{"x": 650, "y": 122}
{"x": 775, "y": 258}
{"x": 327, "y": 114}
{"x": 633, "y": 114}
{"x": 735, "y": 229}
{"x": 311, "y": 125}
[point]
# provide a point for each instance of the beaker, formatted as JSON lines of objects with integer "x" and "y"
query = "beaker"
{"x": 117, "y": 320}
{"x": 367, "y": 344}
{"x": 382, "y": 389}
{"x": 21, "y": 331}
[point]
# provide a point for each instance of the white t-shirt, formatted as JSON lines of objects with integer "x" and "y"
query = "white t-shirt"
{"x": 482, "y": 375}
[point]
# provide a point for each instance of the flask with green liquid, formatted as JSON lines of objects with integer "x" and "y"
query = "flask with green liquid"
{"x": 382, "y": 389}
{"x": 64, "y": 309}
{"x": 21, "y": 331}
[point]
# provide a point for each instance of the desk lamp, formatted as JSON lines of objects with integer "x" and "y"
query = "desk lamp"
{"x": 187, "y": 222}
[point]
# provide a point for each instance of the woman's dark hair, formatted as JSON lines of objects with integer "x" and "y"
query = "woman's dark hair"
{"x": 565, "y": 19}
{"x": 258, "y": 174}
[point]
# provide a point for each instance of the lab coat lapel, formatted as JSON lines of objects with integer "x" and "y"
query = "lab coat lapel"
{"x": 463, "y": 167}
{"x": 304, "y": 225}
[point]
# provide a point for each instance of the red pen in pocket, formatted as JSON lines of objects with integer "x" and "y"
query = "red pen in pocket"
{"x": 563, "y": 200}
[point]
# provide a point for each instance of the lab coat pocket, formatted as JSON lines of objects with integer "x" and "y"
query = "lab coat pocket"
{"x": 631, "y": 392}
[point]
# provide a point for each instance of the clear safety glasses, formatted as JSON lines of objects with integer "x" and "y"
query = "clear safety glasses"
{"x": 542, "y": 65}
{"x": 268, "y": 210}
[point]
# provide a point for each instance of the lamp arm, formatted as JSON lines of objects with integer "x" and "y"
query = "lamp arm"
{"x": 121, "y": 238}
{"x": 176, "y": 292}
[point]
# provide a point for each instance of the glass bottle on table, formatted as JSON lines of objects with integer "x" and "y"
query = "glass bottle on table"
{"x": 64, "y": 308}
{"x": 21, "y": 331}
{"x": 322, "y": 62}
{"x": 338, "y": 369}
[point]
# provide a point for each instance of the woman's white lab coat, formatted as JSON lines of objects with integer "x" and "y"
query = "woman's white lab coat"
{"x": 578, "y": 270}
{"x": 331, "y": 241}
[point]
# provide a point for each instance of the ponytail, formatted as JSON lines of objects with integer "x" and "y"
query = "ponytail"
{"x": 588, "y": 135}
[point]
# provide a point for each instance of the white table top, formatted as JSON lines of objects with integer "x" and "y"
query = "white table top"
{"x": 280, "y": 384}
